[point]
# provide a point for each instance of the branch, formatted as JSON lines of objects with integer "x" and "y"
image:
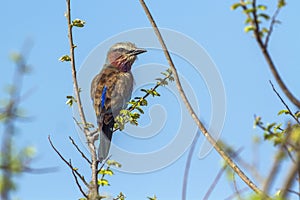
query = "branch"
{"x": 287, "y": 107}
{"x": 290, "y": 178}
{"x": 82, "y": 154}
{"x": 148, "y": 93}
{"x": 187, "y": 167}
{"x": 68, "y": 163}
{"x": 104, "y": 162}
{"x": 190, "y": 109}
{"x": 266, "y": 54}
{"x": 234, "y": 195}
{"x": 218, "y": 176}
{"x": 273, "y": 21}
{"x": 237, "y": 191}
{"x": 74, "y": 73}
{"x": 77, "y": 183}
{"x": 94, "y": 188}
{"x": 276, "y": 164}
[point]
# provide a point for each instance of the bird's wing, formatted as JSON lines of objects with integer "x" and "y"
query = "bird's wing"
{"x": 111, "y": 90}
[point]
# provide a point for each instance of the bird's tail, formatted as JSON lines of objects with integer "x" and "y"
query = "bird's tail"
{"x": 106, "y": 131}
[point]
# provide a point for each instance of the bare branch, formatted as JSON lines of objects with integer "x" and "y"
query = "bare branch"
{"x": 187, "y": 167}
{"x": 82, "y": 154}
{"x": 67, "y": 163}
{"x": 77, "y": 183}
{"x": 234, "y": 195}
{"x": 78, "y": 124}
{"x": 290, "y": 178}
{"x": 218, "y": 176}
{"x": 273, "y": 21}
{"x": 190, "y": 109}
{"x": 293, "y": 192}
{"x": 237, "y": 191}
{"x": 287, "y": 107}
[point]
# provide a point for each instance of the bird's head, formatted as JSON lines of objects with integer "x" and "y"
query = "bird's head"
{"x": 122, "y": 55}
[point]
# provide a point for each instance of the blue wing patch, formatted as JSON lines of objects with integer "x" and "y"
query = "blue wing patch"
{"x": 103, "y": 96}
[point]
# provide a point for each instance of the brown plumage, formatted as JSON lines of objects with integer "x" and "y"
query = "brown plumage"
{"x": 111, "y": 90}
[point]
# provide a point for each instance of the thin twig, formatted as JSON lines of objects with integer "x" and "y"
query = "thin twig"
{"x": 148, "y": 93}
{"x": 293, "y": 192}
{"x": 267, "y": 55}
{"x": 77, "y": 183}
{"x": 78, "y": 124}
{"x": 237, "y": 191}
{"x": 101, "y": 167}
{"x": 218, "y": 176}
{"x": 82, "y": 154}
{"x": 190, "y": 109}
{"x": 158, "y": 84}
{"x": 234, "y": 195}
{"x": 68, "y": 164}
{"x": 287, "y": 107}
{"x": 214, "y": 183}
{"x": 187, "y": 167}
{"x": 273, "y": 21}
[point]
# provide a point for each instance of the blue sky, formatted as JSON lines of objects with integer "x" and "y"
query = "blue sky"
{"x": 211, "y": 24}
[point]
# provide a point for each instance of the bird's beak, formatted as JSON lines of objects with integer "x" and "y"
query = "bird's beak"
{"x": 138, "y": 51}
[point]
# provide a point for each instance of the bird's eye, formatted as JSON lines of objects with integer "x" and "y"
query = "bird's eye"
{"x": 120, "y": 49}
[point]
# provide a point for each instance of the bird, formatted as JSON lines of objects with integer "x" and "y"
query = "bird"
{"x": 111, "y": 89}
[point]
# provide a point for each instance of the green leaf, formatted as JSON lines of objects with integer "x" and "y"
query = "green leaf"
{"x": 248, "y": 20}
{"x": 235, "y": 6}
{"x": 16, "y": 57}
{"x": 270, "y": 126}
{"x": 283, "y": 112}
{"x": 281, "y": 3}
{"x": 152, "y": 198}
{"x": 165, "y": 73}
{"x": 257, "y": 121}
{"x": 29, "y": 151}
{"x": 121, "y": 196}
{"x": 155, "y": 93}
{"x": 70, "y": 100}
{"x": 297, "y": 114}
{"x": 138, "y": 108}
{"x": 263, "y": 15}
{"x": 264, "y": 30}
{"x": 103, "y": 182}
{"x": 114, "y": 163}
{"x": 295, "y": 134}
{"x": 106, "y": 172}
{"x": 277, "y": 127}
{"x": 249, "y": 28}
{"x": 78, "y": 22}
{"x": 65, "y": 58}
{"x": 143, "y": 102}
{"x": 144, "y": 90}
{"x": 249, "y": 10}
{"x": 169, "y": 70}
{"x": 171, "y": 78}
{"x": 262, "y": 7}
